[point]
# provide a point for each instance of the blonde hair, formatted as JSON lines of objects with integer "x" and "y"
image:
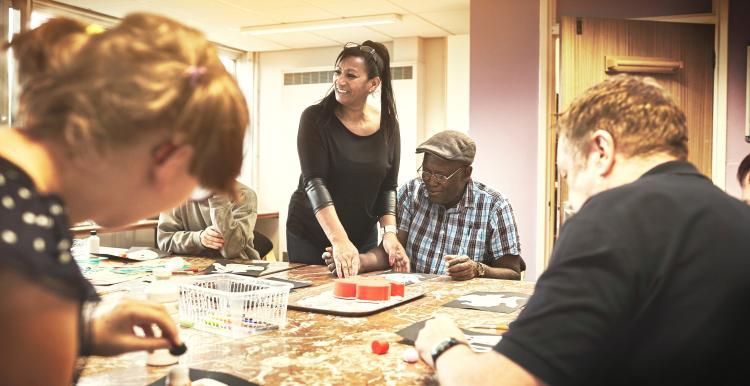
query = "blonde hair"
{"x": 148, "y": 74}
{"x": 640, "y": 115}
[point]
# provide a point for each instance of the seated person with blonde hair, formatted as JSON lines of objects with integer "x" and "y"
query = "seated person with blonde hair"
{"x": 213, "y": 227}
{"x": 112, "y": 126}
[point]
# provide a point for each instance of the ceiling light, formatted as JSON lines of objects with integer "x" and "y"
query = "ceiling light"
{"x": 317, "y": 25}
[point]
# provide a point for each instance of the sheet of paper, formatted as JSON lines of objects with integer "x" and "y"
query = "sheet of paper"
{"x": 502, "y": 302}
{"x": 478, "y": 342}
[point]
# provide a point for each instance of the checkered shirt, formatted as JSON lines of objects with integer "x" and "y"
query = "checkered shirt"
{"x": 481, "y": 226}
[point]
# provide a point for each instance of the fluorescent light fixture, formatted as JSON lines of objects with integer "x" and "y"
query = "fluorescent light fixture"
{"x": 318, "y": 25}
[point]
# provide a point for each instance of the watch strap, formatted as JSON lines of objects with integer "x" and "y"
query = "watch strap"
{"x": 442, "y": 347}
{"x": 390, "y": 229}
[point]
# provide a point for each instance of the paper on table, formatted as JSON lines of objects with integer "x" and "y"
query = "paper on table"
{"x": 119, "y": 273}
{"x": 225, "y": 378}
{"x": 109, "y": 277}
{"x": 405, "y": 278}
{"x": 478, "y": 342}
{"x": 502, "y": 302}
{"x": 237, "y": 267}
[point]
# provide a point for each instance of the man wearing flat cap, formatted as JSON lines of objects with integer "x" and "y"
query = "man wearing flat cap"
{"x": 450, "y": 224}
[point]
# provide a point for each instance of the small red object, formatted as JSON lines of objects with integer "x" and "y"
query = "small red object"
{"x": 345, "y": 288}
{"x": 373, "y": 289}
{"x": 397, "y": 289}
{"x": 379, "y": 347}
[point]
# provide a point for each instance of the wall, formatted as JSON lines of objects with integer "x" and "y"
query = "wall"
{"x": 739, "y": 38}
{"x": 504, "y": 98}
{"x": 278, "y": 167}
{"x": 457, "y": 83}
{"x": 434, "y": 77}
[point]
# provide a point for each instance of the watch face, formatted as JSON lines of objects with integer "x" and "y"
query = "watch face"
{"x": 390, "y": 228}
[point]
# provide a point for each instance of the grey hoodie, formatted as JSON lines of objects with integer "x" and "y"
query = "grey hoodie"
{"x": 179, "y": 229}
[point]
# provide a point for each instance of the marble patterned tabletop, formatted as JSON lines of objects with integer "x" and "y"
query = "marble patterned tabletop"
{"x": 316, "y": 348}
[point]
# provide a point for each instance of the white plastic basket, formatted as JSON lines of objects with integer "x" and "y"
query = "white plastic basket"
{"x": 233, "y": 305}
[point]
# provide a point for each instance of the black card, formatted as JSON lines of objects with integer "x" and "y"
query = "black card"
{"x": 226, "y": 263}
{"x": 478, "y": 342}
{"x": 196, "y": 374}
{"x": 502, "y": 302}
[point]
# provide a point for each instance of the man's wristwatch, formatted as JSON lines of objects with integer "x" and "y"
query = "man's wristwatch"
{"x": 390, "y": 229}
{"x": 442, "y": 347}
{"x": 480, "y": 269}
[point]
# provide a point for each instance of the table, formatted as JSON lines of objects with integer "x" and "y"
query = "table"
{"x": 273, "y": 267}
{"x": 315, "y": 348}
{"x": 128, "y": 282}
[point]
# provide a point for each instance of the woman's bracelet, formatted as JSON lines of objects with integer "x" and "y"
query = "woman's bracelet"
{"x": 85, "y": 322}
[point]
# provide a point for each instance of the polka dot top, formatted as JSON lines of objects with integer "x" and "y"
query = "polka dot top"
{"x": 34, "y": 237}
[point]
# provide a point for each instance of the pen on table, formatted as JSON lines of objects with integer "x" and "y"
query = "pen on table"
{"x": 498, "y": 326}
{"x": 188, "y": 271}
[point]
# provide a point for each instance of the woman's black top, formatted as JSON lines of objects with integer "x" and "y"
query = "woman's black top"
{"x": 357, "y": 170}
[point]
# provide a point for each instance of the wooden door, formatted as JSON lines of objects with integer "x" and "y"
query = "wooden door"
{"x": 586, "y": 41}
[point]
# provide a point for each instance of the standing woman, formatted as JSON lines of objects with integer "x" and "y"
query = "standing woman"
{"x": 349, "y": 153}
{"x": 114, "y": 126}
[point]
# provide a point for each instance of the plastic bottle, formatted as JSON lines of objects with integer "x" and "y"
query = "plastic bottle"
{"x": 178, "y": 376}
{"x": 93, "y": 243}
{"x": 166, "y": 292}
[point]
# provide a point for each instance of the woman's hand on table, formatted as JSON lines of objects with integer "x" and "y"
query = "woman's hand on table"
{"x": 346, "y": 257}
{"x": 397, "y": 257}
{"x": 112, "y": 328}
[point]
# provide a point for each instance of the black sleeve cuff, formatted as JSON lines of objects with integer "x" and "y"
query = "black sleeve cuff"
{"x": 387, "y": 203}
{"x": 530, "y": 361}
{"x": 318, "y": 194}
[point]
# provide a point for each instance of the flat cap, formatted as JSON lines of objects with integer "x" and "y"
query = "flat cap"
{"x": 450, "y": 145}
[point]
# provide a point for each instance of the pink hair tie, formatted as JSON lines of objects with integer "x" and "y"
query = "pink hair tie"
{"x": 195, "y": 73}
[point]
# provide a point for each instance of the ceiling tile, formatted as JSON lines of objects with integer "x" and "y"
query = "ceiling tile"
{"x": 111, "y": 8}
{"x": 357, "y": 8}
{"x": 410, "y": 26}
{"x": 296, "y": 14}
{"x": 300, "y": 40}
{"x": 243, "y": 41}
{"x": 221, "y": 20}
{"x": 457, "y": 22}
{"x": 432, "y": 5}
{"x": 263, "y": 5}
{"x": 356, "y": 35}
